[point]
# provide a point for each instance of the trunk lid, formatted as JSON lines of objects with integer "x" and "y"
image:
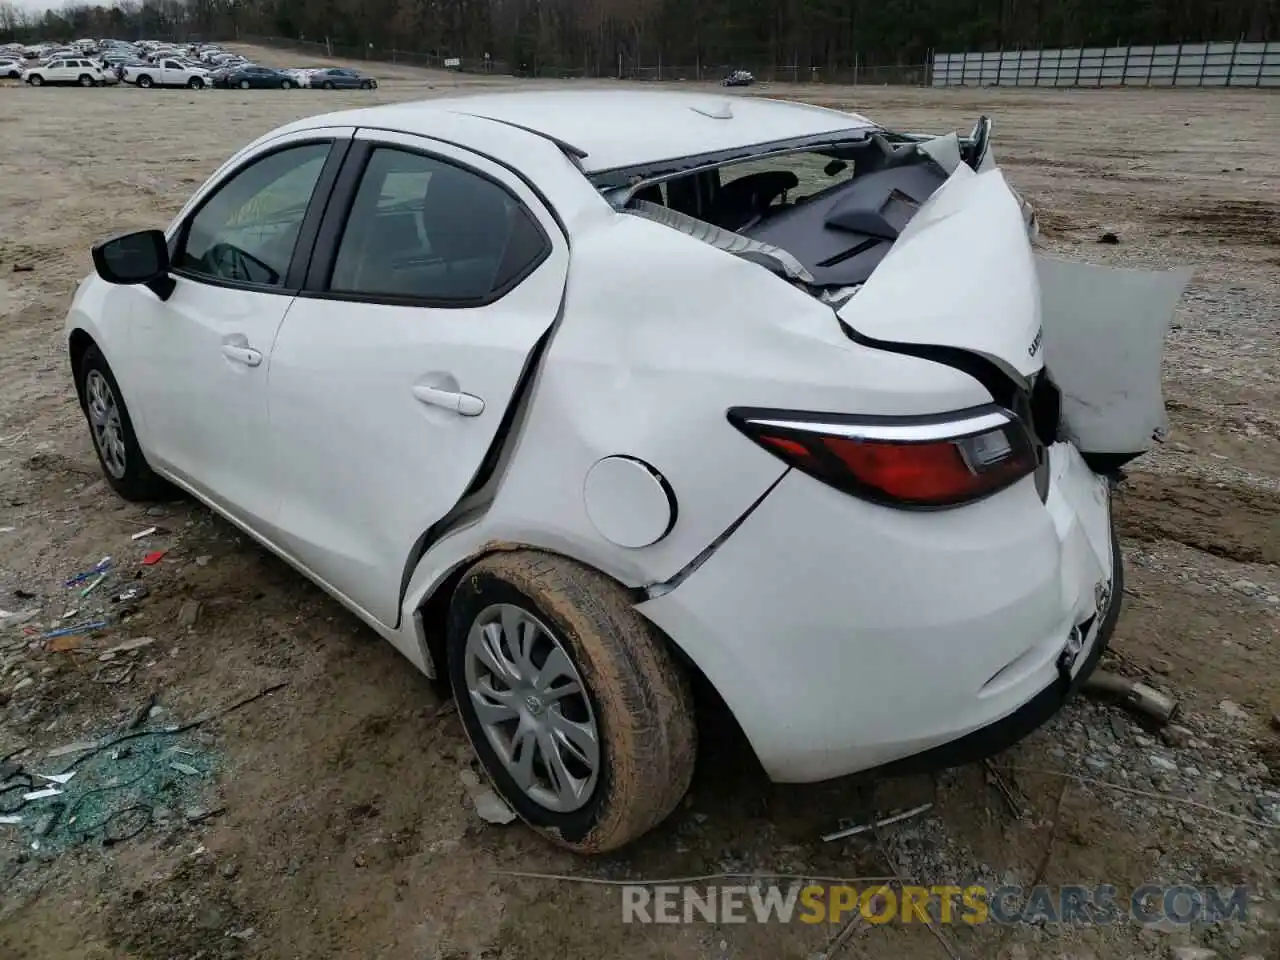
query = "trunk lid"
{"x": 963, "y": 286}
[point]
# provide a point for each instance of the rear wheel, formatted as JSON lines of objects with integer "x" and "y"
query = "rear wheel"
{"x": 579, "y": 713}
{"x": 327, "y": 85}
{"x": 113, "y": 435}
{"x": 144, "y": 81}
{"x": 244, "y": 84}
{"x": 286, "y": 84}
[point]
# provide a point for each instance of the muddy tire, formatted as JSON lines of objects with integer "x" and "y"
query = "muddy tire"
{"x": 144, "y": 81}
{"x": 121, "y": 458}
{"x": 634, "y": 695}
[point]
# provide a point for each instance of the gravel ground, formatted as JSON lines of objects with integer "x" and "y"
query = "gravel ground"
{"x": 333, "y": 816}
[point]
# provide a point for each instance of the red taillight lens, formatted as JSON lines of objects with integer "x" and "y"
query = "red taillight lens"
{"x": 914, "y": 461}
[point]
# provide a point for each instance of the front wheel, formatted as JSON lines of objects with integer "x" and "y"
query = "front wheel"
{"x": 114, "y": 439}
{"x": 366, "y": 85}
{"x": 577, "y": 709}
{"x": 36, "y": 81}
{"x": 86, "y": 80}
{"x": 195, "y": 83}
{"x": 327, "y": 85}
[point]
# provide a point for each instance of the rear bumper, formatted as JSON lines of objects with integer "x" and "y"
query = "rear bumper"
{"x": 846, "y": 636}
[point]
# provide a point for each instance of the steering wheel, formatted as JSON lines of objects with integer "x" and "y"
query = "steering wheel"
{"x": 231, "y": 262}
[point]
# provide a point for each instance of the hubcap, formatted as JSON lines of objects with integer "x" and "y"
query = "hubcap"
{"x": 532, "y": 705}
{"x": 104, "y": 420}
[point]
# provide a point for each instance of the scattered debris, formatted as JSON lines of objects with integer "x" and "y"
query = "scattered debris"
{"x": 42, "y": 794}
{"x": 58, "y": 778}
{"x": 244, "y": 934}
{"x": 1275, "y": 721}
{"x": 129, "y": 645}
{"x": 66, "y": 643}
{"x": 22, "y": 268}
{"x": 151, "y": 559}
{"x": 79, "y": 747}
{"x": 491, "y": 807}
{"x": 77, "y": 629}
{"x": 1233, "y": 710}
{"x": 102, "y": 566}
{"x": 201, "y": 814}
{"x": 10, "y": 819}
{"x": 189, "y": 614}
{"x": 98, "y": 581}
{"x": 22, "y": 684}
{"x": 143, "y": 533}
{"x": 140, "y": 713}
{"x": 863, "y": 828}
{"x": 1134, "y": 696}
{"x": 186, "y": 768}
{"x": 1109, "y": 238}
{"x": 1016, "y": 800}
{"x": 136, "y": 592}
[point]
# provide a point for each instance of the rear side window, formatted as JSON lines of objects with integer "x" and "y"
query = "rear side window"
{"x": 422, "y": 229}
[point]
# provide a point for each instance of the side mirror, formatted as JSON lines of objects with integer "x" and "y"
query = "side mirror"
{"x": 134, "y": 258}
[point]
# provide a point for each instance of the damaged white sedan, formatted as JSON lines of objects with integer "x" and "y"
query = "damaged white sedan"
{"x": 578, "y": 398}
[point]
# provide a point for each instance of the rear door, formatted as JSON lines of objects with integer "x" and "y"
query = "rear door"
{"x": 433, "y": 281}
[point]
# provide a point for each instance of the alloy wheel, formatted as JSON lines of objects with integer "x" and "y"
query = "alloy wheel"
{"x": 105, "y": 422}
{"x": 532, "y": 705}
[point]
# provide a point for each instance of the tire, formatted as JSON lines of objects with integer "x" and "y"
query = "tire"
{"x": 286, "y": 85}
{"x": 36, "y": 81}
{"x": 636, "y": 698}
{"x": 136, "y": 482}
{"x": 85, "y": 80}
{"x": 144, "y": 81}
{"x": 366, "y": 85}
{"x": 195, "y": 83}
{"x": 244, "y": 84}
{"x": 327, "y": 85}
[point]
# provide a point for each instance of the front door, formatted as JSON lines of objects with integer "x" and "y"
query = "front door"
{"x": 202, "y": 357}
{"x": 391, "y": 374}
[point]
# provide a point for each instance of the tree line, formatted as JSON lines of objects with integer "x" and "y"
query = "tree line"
{"x": 593, "y": 36}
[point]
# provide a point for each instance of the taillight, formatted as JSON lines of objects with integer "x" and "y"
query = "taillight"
{"x": 936, "y": 461}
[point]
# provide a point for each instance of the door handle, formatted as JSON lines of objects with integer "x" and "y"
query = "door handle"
{"x": 460, "y": 403}
{"x": 246, "y": 355}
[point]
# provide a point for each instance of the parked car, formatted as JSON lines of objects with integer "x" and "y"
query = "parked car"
{"x": 83, "y": 72}
{"x": 253, "y": 77}
{"x": 301, "y": 76}
{"x": 12, "y": 69}
{"x": 167, "y": 72}
{"x": 340, "y": 78}
{"x": 842, "y": 488}
{"x": 739, "y": 78}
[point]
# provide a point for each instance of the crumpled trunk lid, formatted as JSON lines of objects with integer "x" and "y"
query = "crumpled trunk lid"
{"x": 963, "y": 286}
{"x": 961, "y": 274}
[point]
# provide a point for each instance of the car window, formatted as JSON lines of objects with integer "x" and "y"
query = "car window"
{"x": 172, "y": 65}
{"x": 247, "y": 230}
{"x": 424, "y": 229}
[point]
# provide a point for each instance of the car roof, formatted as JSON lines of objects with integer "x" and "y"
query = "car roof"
{"x": 620, "y": 128}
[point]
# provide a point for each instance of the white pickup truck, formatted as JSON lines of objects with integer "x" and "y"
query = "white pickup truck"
{"x": 167, "y": 72}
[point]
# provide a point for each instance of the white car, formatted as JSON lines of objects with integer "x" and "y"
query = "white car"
{"x": 11, "y": 69}
{"x": 82, "y": 72}
{"x": 572, "y": 412}
{"x": 167, "y": 72}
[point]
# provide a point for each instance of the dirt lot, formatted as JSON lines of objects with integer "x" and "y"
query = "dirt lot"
{"x": 344, "y": 828}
